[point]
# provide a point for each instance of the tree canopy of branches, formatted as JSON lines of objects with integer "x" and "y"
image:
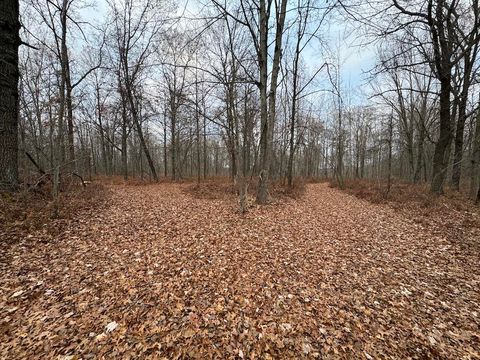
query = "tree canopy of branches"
{"x": 256, "y": 90}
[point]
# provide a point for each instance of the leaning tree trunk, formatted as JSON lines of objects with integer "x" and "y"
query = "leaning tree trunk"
{"x": 143, "y": 143}
{"x": 9, "y": 74}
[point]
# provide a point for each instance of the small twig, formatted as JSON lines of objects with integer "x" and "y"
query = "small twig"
{"x": 28, "y": 45}
{"x": 81, "y": 179}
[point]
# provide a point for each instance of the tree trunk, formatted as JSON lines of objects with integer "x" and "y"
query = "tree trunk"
{"x": 197, "y": 129}
{"x": 124, "y": 134}
{"x": 340, "y": 142}
{"x": 294, "y": 111}
{"x": 390, "y": 146}
{"x": 205, "y": 158}
{"x": 173, "y": 149}
{"x": 267, "y": 116}
{"x": 70, "y": 130}
{"x": 442, "y": 152}
{"x": 418, "y": 167}
{"x": 103, "y": 145}
{"x": 9, "y": 42}
{"x": 165, "y": 157}
{"x": 475, "y": 176}
{"x": 143, "y": 143}
{"x": 458, "y": 154}
{"x": 262, "y": 193}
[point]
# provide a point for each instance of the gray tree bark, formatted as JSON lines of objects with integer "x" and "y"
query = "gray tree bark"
{"x": 267, "y": 114}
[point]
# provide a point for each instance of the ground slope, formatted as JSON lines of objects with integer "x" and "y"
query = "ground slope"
{"x": 160, "y": 273}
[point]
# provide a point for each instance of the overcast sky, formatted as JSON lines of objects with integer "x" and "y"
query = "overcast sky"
{"x": 357, "y": 59}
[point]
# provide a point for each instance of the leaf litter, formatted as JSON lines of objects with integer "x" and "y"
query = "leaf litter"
{"x": 159, "y": 273}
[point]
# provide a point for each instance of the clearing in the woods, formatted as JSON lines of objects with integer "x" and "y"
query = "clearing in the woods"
{"x": 159, "y": 272}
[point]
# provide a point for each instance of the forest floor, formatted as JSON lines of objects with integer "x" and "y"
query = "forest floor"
{"x": 163, "y": 271}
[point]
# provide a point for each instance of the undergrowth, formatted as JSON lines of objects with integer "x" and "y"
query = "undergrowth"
{"x": 220, "y": 188}
{"x": 33, "y": 210}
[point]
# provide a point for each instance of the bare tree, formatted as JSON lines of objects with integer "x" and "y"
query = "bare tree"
{"x": 256, "y": 18}
{"x": 135, "y": 27}
{"x": 475, "y": 161}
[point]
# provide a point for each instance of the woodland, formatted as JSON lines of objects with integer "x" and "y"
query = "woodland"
{"x": 239, "y": 179}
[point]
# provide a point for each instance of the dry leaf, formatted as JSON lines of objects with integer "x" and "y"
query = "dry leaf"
{"x": 111, "y": 326}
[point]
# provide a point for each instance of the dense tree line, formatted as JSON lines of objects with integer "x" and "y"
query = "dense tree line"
{"x": 252, "y": 89}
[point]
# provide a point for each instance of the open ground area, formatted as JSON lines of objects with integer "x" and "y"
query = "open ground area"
{"x": 239, "y": 179}
{"x": 159, "y": 272}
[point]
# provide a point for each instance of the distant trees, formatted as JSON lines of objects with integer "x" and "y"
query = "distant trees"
{"x": 256, "y": 18}
{"x": 466, "y": 70}
{"x": 475, "y": 161}
{"x": 59, "y": 19}
{"x": 245, "y": 89}
{"x": 175, "y": 84}
{"x": 136, "y": 27}
{"x": 445, "y": 35}
{"x": 304, "y": 34}
{"x": 410, "y": 95}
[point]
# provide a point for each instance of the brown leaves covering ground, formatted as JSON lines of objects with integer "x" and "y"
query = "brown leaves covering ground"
{"x": 160, "y": 273}
{"x": 453, "y": 215}
{"x": 217, "y": 188}
{"x": 26, "y": 212}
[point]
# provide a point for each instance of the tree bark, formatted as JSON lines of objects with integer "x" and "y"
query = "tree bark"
{"x": 9, "y": 97}
{"x": 475, "y": 176}
{"x": 262, "y": 192}
{"x": 65, "y": 64}
{"x": 294, "y": 108}
{"x": 197, "y": 130}
{"x": 458, "y": 154}
{"x": 124, "y": 131}
{"x": 165, "y": 157}
{"x": 390, "y": 146}
{"x": 440, "y": 28}
{"x": 70, "y": 130}
{"x": 267, "y": 114}
{"x": 462, "y": 118}
{"x": 138, "y": 125}
{"x": 173, "y": 122}
{"x": 442, "y": 147}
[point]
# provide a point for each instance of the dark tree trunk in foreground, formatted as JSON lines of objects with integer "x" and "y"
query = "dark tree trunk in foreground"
{"x": 9, "y": 42}
{"x": 442, "y": 147}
